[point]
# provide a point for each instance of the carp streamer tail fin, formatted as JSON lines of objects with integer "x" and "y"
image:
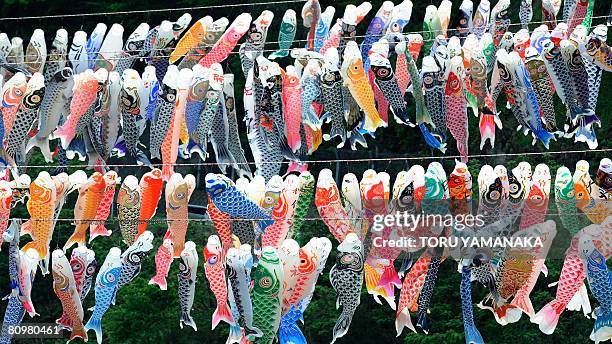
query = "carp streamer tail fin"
{"x": 98, "y": 229}
{"x": 187, "y": 319}
{"x": 342, "y": 325}
{"x": 289, "y": 332}
{"x": 222, "y": 313}
{"x": 547, "y": 319}
{"x": 95, "y": 324}
{"x": 160, "y": 281}
{"x": 402, "y": 319}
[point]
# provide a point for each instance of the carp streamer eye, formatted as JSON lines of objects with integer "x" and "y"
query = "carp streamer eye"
{"x": 265, "y": 282}
{"x": 256, "y": 36}
{"x": 542, "y": 69}
{"x": 494, "y": 194}
{"x": 383, "y": 72}
{"x": 514, "y": 188}
{"x": 213, "y": 260}
{"x": 347, "y": 259}
{"x": 77, "y": 267}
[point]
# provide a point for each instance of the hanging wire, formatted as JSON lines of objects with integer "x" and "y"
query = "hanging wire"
{"x": 403, "y": 34}
{"x": 168, "y": 220}
{"x": 148, "y": 11}
{"x": 329, "y": 161}
{"x": 175, "y": 9}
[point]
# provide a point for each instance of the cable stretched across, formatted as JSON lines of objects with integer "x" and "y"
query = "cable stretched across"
{"x": 175, "y": 9}
{"x": 327, "y": 161}
{"x": 153, "y": 221}
{"x": 195, "y": 8}
{"x": 402, "y": 34}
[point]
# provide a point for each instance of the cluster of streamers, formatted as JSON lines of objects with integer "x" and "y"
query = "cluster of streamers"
{"x": 178, "y": 192}
{"x": 85, "y": 98}
{"x": 512, "y": 204}
{"x": 263, "y": 280}
{"x": 86, "y": 95}
{"x": 136, "y": 204}
{"x": 259, "y": 299}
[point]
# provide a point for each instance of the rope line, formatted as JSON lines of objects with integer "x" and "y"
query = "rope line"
{"x": 248, "y": 219}
{"x": 329, "y": 161}
{"x": 192, "y": 8}
{"x": 176, "y": 9}
{"x": 403, "y": 34}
